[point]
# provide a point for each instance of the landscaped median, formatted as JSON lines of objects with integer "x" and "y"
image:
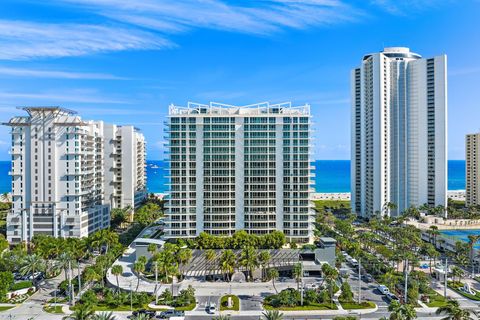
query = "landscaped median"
{"x": 435, "y": 299}
{"x": 289, "y": 300}
{"x": 5, "y": 308}
{"x": 457, "y": 286}
{"x": 355, "y": 305}
{"x": 224, "y": 303}
{"x": 55, "y": 309}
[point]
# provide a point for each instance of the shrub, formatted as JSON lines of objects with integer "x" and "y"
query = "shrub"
{"x": 21, "y": 285}
{"x": 347, "y": 294}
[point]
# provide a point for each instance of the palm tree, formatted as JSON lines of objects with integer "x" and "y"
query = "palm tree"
{"x": 116, "y": 271}
{"x": 457, "y": 272}
{"x": 401, "y": 312}
{"x": 104, "y": 316}
{"x": 249, "y": 260}
{"x": 272, "y": 315}
{"x": 31, "y": 264}
{"x": 453, "y": 311}
{"x": 297, "y": 273}
{"x": 210, "y": 256}
{"x": 263, "y": 260}
{"x": 434, "y": 232}
{"x": 472, "y": 241}
{"x": 82, "y": 312}
{"x": 272, "y": 274}
{"x": 183, "y": 257}
{"x": 139, "y": 268}
{"x": 152, "y": 248}
{"x": 227, "y": 263}
{"x": 64, "y": 261}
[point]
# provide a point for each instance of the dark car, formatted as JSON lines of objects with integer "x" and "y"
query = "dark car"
{"x": 391, "y": 297}
{"x": 170, "y": 313}
{"x": 367, "y": 277}
{"x": 148, "y": 313}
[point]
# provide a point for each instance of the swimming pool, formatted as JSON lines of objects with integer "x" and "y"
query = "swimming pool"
{"x": 461, "y": 234}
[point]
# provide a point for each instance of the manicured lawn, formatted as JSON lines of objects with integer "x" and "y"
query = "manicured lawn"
{"x": 316, "y": 306}
{"x": 456, "y": 286}
{"x": 354, "y": 305}
{"x": 5, "y": 308}
{"x": 190, "y": 307}
{"x": 125, "y": 307}
{"x": 436, "y": 299}
{"x": 53, "y": 309}
{"x": 224, "y": 303}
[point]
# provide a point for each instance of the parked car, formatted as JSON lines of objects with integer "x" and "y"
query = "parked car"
{"x": 211, "y": 308}
{"x": 170, "y": 314}
{"x": 367, "y": 277}
{"x": 383, "y": 289}
{"x": 354, "y": 262}
{"x": 391, "y": 297}
{"x": 148, "y": 313}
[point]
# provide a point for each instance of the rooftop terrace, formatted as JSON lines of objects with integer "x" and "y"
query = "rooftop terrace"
{"x": 219, "y": 109}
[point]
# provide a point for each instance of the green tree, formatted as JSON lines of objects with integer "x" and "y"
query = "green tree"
{"x": 263, "y": 260}
{"x": 152, "y": 248}
{"x": 227, "y": 263}
{"x": 184, "y": 255}
{"x": 139, "y": 268}
{"x": 401, "y": 312}
{"x": 272, "y": 274}
{"x": 210, "y": 256}
{"x": 82, "y": 312}
{"x": 32, "y": 263}
{"x": 249, "y": 260}
{"x": 116, "y": 271}
{"x": 297, "y": 273}
{"x": 472, "y": 241}
{"x": 346, "y": 295}
{"x": 6, "y": 281}
{"x": 452, "y": 311}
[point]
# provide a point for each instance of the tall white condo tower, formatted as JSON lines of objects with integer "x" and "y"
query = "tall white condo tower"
{"x": 399, "y": 132}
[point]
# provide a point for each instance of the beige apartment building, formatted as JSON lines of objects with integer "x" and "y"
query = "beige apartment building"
{"x": 472, "y": 169}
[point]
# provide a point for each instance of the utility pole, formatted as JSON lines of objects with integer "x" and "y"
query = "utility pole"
{"x": 131, "y": 301}
{"x": 359, "y": 282}
{"x": 301, "y": 283}
{"x": 406, "y": 281}
{"x": 156, "y": 282}
{"x": 445, "y": 278}
{"x": 72, "y": 298}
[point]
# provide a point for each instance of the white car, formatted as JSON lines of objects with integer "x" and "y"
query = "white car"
{"x": 211, "y": 308}
{"x": 383, "y": 289}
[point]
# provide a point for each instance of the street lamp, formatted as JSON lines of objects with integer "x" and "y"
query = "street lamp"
{"x": 131, "y": 300}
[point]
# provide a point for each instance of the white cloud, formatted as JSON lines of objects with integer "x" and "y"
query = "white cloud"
{"x": 407, "y": 6}
{"x": 58, "y": 97}
{"x": 147, "y": 24}
{"x": 21, "y": 40}
{"x": 263, "y": 17}
{"x": 56, "y": 74}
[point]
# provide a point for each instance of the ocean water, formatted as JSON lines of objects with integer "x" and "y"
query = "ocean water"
{"x": 331, "y": 176}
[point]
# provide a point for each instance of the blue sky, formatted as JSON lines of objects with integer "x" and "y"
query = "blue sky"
{"x": 125, "y": 61}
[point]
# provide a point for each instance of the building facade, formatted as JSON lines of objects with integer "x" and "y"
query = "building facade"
{"x": 399, "y": 132}
{"x": 125, "y": 156}
{"x": 59, "y": 175}
{"x": 472, "y": 169}
{"x": 239, "y": 168}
